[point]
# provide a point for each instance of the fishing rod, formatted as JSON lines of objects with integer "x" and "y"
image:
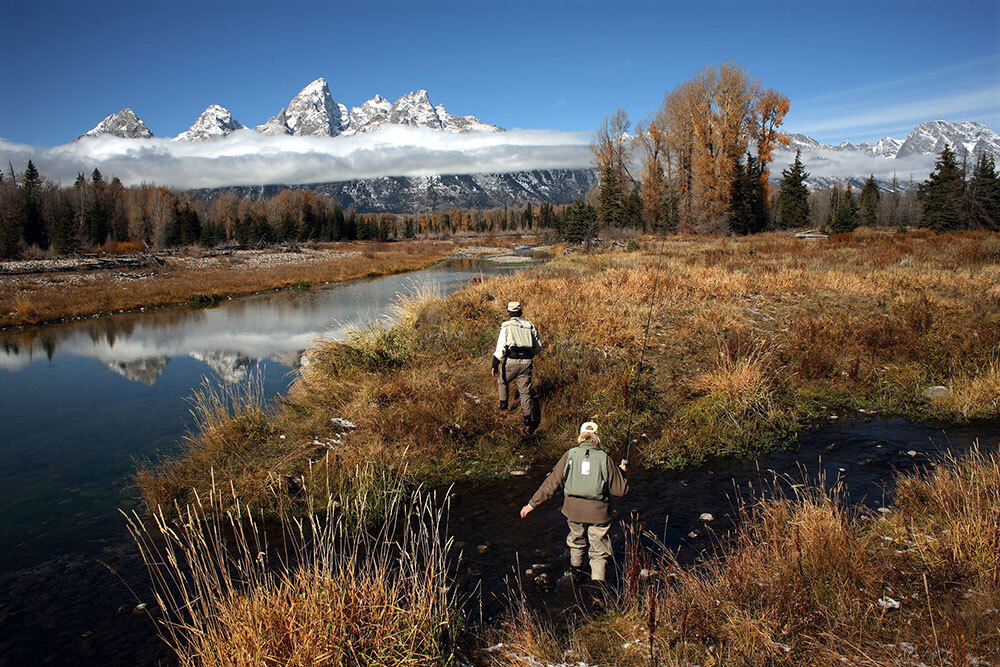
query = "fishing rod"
{"x": 642, "y": 353}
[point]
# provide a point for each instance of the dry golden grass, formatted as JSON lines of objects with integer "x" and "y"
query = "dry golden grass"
{"x": 750, "y": 339}
{"x": 804, "y": 581}
{"x": 333, "y": 591}
{"x": 38, "y": 301}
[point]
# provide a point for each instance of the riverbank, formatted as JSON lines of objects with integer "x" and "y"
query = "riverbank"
{"x": 47, "y": 291}
{"x": 750, "y": 338}
{"x": 804, "y": 579}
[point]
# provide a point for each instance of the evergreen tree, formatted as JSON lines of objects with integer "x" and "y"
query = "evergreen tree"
{"x": 31, "y": 207}
{"x": 188, "y": 225}
{"x": 793, "y": 195}
{"x": 870, "y": 196}
{"x": 941, "y": 195}
{"x": 529, "y": 217}
{"x": 97, "y": 213}
{"x": 64, "y": 237}
{"x": 579, "y": 222}
{"x": 845, "y": 217}
{"x": 983, "y": 194}
{"x": 747, "y": 205}
{"x": 611, "y": 209}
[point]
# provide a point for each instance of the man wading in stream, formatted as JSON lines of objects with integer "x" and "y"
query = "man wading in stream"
{"x": 513, "y": 361}
{"x": 588, "y": 478}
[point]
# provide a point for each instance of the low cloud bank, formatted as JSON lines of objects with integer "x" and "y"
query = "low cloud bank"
{"x": 249, "y": 158}
{"x": 827, "y": 163}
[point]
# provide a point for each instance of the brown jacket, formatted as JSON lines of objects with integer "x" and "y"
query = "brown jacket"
{"x": 581, "y": 510}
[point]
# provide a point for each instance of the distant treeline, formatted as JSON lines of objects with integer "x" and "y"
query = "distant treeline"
{"x": 709, "y": 178}
{"x": 705, "y": 154}
{"x": 95, "y": 214}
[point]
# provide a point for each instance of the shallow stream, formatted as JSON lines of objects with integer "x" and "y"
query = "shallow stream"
{"x": 81, "y": 402}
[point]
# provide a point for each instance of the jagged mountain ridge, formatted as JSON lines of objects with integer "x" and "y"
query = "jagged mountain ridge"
{"x": 314, "y": 113}
{"x": 311, "y": 113}
{"x": 967, "y": 139}
{"x": 418, "y": 194}
{"x": 214, "y": 122}
{"x": 124, "y": 124}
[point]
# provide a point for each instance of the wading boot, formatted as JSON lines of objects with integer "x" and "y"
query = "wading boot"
{"x": 503, "y": 405}
{"x": 529, "y": 425}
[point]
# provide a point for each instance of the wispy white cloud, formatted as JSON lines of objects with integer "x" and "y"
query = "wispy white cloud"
{"x": 826, "y": 163}
{"x": 249, "y": 158}
{"x": 963, "y": 91}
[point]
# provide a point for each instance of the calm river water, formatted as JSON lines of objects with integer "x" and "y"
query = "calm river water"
{"x": 81, "y": 402}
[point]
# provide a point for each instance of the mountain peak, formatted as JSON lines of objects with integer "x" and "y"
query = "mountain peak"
{"x": 124, "y": 124}
{"x": 311, "y": 113}
{"x": 214, "y": 122}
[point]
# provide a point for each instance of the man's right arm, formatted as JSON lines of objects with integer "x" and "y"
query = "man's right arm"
{"x": 552, "y": 484}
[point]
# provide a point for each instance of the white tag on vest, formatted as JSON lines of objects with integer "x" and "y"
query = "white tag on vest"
{"x": 585, "y": 467}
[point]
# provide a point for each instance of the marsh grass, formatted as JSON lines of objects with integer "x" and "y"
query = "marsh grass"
{"x": 804, "y": 580}
{"x": 328, "y": 589}
{"x": 751, "y": 338}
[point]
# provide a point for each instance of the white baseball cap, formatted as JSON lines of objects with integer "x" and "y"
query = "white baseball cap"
{"x": 588, "y": 427}
{"x": 513, "y": 306}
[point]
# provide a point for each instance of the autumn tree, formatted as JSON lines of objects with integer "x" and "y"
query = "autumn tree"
{"x": 710, "y": 122}
{"x": 612, "y": 150}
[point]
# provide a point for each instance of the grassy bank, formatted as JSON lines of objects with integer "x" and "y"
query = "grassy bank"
{"x": 806, "y": 581}
{"x": 750, "y": 339}
{"x": 330, "y": 590}
{"x": 55, "y": 296}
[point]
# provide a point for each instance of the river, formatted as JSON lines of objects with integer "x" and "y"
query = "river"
{"x": 82, "y": 402}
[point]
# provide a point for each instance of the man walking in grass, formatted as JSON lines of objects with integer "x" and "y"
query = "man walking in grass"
{"x": 513, "y": 361}
{"x": 588, "y": 478}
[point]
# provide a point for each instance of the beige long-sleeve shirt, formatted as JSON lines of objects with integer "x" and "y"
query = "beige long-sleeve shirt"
{"x": 581, "y": 510}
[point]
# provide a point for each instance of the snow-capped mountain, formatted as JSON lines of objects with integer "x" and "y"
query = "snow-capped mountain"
{"x": 402, "y": 194}
{"x": 123, "y": 124}
{"x": 311, "y": 113}
{"x": 214, "y": 122}
{"x": 145, "y": 371}
{"x": 967, "y": 139}
{"x": 414, "y": 109}
{"x": 230, "y": 366}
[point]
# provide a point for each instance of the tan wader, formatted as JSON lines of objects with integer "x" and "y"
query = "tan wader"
{"x": 600, "y": 546}
{"x": 518, "y": 371}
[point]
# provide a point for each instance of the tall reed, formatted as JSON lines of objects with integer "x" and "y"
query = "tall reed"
{"x": 325, "y": 589}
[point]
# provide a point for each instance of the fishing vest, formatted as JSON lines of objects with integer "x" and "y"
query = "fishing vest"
{"x": 517, "y": 337}
{"x": 586, "y": 473}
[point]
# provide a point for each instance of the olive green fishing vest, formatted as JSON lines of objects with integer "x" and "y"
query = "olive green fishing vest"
{"x": 586, "y": 473}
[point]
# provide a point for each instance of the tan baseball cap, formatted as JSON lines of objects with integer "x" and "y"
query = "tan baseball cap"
{"x": 513, "y": 306}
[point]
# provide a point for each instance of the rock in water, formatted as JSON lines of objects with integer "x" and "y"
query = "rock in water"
{"x": 706, "y": 517}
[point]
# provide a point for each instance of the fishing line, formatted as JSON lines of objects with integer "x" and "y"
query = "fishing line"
{"x": 642, "y": 353}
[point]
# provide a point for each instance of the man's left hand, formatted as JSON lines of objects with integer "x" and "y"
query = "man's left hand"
{"x": 526, "y": 510}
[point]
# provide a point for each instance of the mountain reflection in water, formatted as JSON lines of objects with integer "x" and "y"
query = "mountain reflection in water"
{"x": 231, "y": 338}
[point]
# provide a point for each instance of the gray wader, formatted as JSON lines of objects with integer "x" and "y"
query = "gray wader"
{"x": 519, "y": 372}
{"x": 600, "y": 546}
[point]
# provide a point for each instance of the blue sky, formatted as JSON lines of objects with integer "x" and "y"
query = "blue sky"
{"x": 855, "y": 71}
